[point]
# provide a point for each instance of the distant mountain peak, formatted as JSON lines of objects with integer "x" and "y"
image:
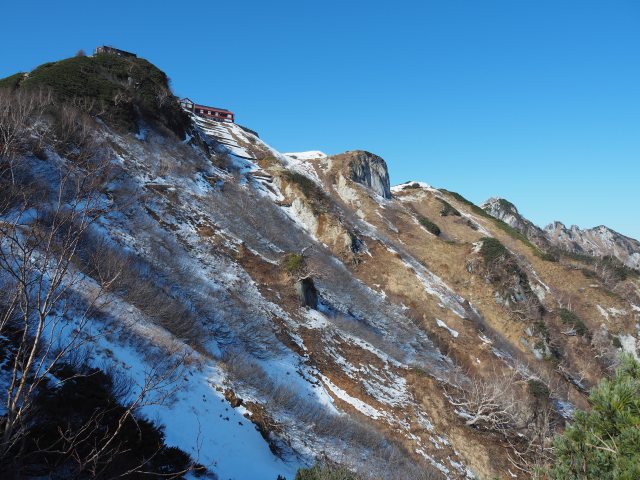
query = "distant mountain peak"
{"x": 600, "y": 241}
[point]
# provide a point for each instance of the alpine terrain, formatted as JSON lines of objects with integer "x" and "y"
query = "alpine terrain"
{"x": 180, "y": 299}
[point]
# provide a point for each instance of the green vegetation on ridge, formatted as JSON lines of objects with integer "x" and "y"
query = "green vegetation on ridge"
{"x": 119, "y": 90}
{"x": 508, "y": 229}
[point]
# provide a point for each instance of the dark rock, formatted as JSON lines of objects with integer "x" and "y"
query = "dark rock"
{"x": 307, "y": 293}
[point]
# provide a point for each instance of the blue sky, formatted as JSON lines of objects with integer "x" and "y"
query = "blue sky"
{"x": 534, "y": 101}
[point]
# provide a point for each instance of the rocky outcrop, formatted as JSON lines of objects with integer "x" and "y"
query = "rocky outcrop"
{"x": 598, "y": 242}
{"x": 307, "y": 293}
{"x": 369, "y": 170}
{"x": 507, "y": 212}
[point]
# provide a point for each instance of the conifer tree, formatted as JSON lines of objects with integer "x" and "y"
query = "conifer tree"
{"x": 605, "y": 442}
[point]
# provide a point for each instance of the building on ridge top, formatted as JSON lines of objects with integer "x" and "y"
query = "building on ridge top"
{"x": 113, "y": 51}
{"x": 213, "y": 113}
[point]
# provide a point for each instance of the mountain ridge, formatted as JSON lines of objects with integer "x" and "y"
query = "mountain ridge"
{"x": 315, "y": 312}
{"x": 598, "y": 242}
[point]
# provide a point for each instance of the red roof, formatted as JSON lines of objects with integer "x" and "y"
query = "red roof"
{"x": 197, "y": 105}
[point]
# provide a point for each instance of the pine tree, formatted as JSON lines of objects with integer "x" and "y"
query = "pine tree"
{"x": 605, "y": 442}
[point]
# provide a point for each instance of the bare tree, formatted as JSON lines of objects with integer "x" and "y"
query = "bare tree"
{"x": 526, "y": 422}
{"x": 526, "y": 309}
{"x": 159, "y": 384}
{"x": 531, "y": 450}
{"x": 19, "y": 110}
{"x": 41, "y": 288}
{"x": 36, "y": 251}
{"x": 489, "y": 404}
{"x": 73, "y": 132}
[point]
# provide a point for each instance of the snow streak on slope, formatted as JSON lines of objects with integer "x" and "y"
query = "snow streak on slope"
{"x": 198, "y": 419}
{"x": 210, "y": 232}
{"x": 385, "y": 386}
{"x": 310, "y": 155}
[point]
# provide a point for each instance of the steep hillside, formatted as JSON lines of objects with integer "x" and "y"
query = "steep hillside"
{"x": 598, "y": 242}
{"x": 277, "y": 310}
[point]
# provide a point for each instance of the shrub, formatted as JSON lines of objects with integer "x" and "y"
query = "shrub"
{"x": 603, "y": 443}
{"x": 310, "y": 189}
{"x": 541, "y": 328}
{"x": 492, "y": 250}
{"x": 549, "y": 257}
{"x": 616, "y": 269}
{"x": 572, "y": 319}
{"x": 429, "y": 225}
{"x": 615, "y": 341}
{"x": 75, "y": 418}
{"x": 411, "y": 186}
{"x": 294, "y": 263}
{"x": 307, "y": 186}
{"x": 12, "y": 82}
{"x": 448, "y": 209}
{"x": 538, "y": 389}
{"x": 324, "y": 473}
{"x": 540, "y": 345}
{"x": 140, "y": 284}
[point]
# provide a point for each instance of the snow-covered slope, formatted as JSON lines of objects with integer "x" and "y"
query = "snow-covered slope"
{"x": 223, "y": 222}
{"x": 222, "y": 241}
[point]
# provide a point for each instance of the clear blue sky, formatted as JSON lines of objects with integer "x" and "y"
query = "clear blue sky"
{"x": 535, "y": 101}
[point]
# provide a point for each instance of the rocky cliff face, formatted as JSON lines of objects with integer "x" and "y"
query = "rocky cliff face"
{"x": 507, "y": 212}
{"x": 369, "y": 170}
{"x": 598, "y": 242}
{"x": 595, "y": 242}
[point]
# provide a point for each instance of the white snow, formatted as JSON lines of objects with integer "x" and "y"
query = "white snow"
{"x": 441, "y": 324}
{"x": 630, "y": 345}
{"x": 485, "y": 339}
{"x": 302, "y": 166}
{"x": 198, "y": 419}
{"x": 311, "y": 154}
{"x": 611, "y": 311}
{"x": 603, "y": 312}
{"x": 356, "y": 403}
{"x": 400, "y": 187}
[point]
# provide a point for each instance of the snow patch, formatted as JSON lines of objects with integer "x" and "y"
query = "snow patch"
{"x": 630, "y": 345}
{"x": 356, "y": 403}
{"x": 311, "y": 154}
{"x": 441, "y": 324}
{"x": 401, "y": 187}
{"x": 610, "y": 312}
